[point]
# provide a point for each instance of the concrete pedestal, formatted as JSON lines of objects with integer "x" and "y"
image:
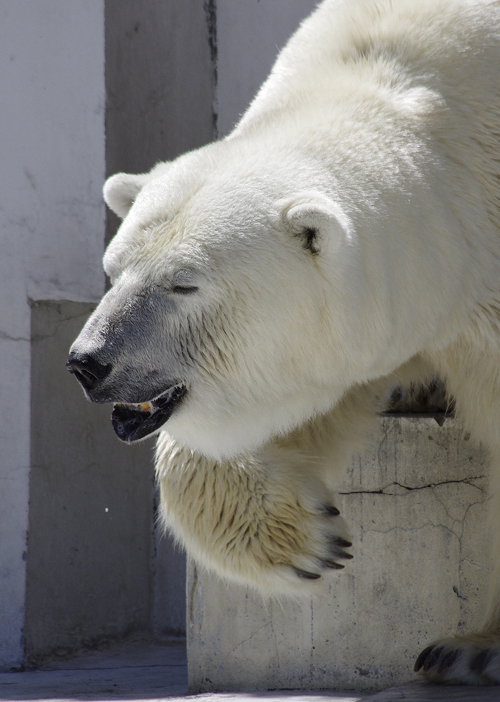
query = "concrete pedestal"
{"x": 415, "y": 504}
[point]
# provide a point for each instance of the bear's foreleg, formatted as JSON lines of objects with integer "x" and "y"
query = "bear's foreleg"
{"x": 257, "y": 519}
{"x": 267, "y": 519}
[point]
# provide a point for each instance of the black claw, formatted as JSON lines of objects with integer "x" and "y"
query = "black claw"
{"x": 331, "y": 510}
{"x": 448, "y": 660}
{"x": 422, "y": 657}
{"x": 338, "y": 541}
{"x": 432, "y": 658}
{"x": 480, "y": 662}
{"x": 337, "y": 544}
{"x": 307, "y": 576}
{"x": 332, "y": 564}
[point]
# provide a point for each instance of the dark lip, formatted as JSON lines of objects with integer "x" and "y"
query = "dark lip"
{"x": 132, "y": 422}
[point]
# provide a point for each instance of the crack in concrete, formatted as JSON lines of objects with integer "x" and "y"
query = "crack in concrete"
{"x": 472, "y": 564}
{"x": 62, "y": 317}
{"x": 460, "y": 551}
{"x": 462, "y": 519}
{"x": 456, "y": 528}
{"x": 244, "y": 641}
{"x": 398, "y": 527}
{"x": 457, "y": 593}
{"x": 409, "y": 488}
{"x": 275, "y": 639}
{"x": 7, "y": 337}
{"x": 383, "y": 442}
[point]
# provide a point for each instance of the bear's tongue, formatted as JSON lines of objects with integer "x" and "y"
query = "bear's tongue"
{"x": 132, "y": 422}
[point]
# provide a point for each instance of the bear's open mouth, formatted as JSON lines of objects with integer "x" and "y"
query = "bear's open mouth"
{"x": 132, "y": 422}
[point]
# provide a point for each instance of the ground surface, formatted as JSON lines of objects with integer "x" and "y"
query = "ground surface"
{"x": 144, "y": 670}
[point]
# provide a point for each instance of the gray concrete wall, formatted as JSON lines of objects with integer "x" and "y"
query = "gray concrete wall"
{"x": 51, "y": 229}
{"x": 415, "y": 505}
{"x": 250, "y": 34}
{"x": 85, "y": 573}
{"x": 90, "y": 543}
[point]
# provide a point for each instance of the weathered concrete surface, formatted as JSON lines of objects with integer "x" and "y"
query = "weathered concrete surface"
{"x": 51, "y": 228}
{"x": 136, "y": 670}
{"x": 90, "y": 541}
{"x": 415, "y": 503}
{"x": 147, "y": 670}
{"x": 90, "y": 572}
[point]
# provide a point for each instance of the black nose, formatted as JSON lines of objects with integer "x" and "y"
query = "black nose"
{"x": 86, "y": 369}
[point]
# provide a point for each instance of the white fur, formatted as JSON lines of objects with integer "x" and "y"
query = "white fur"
{"x": 378, "y": 130}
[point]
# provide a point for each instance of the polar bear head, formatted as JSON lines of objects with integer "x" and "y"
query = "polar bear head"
{"x": 225, "y": 322}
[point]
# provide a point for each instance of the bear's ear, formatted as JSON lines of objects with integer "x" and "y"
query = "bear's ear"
{"x": 121, "y": 190}
{"x": 317, "y": 220}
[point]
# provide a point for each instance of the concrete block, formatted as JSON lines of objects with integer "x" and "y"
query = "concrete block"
{"x": 90, "y": 540}
{"x": 416, "y": 505}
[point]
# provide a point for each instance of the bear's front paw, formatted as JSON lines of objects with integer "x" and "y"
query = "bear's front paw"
{"x": 473, "y": 660}
{"x": 259, "y": 519}
{"x": 325, "y": 546}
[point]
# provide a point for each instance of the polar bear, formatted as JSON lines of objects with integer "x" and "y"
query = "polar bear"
{"x": 269, "y": 289}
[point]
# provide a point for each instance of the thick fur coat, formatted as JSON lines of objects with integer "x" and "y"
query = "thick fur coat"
{"x": 270, "y": 289}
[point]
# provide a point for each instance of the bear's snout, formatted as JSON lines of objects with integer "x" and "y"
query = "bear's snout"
{"x": 87, "y": 370}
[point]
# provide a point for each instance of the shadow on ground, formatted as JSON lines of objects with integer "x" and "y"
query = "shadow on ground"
{"x": 146, "y": 670}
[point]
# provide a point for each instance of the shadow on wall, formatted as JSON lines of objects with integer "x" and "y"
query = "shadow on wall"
{"x": 90, "y": 542}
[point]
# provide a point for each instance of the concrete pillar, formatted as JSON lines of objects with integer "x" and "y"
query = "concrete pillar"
{"x": 415, "y": 505}
{"x": 249, "y": 36}
{"x": 160, "y": 85}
